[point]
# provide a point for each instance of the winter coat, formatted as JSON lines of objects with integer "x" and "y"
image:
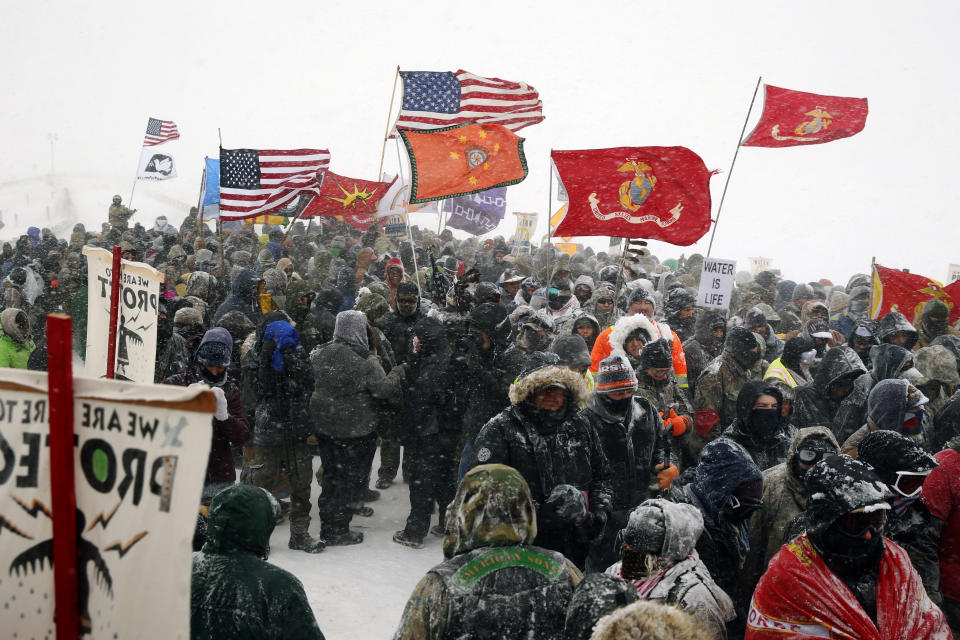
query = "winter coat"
{"x": 800, "y": 590}
{"x": 888, "y": 361}
{"x": 724, "y": 466}
{"x": 283, "y": 394}
{"x": 494, "y": 583}
{"x": 119, "y": 215}
{"x": 611, "y": 342}
{"x": 234, "y": 592}
{"x": 715, "y": 403}
{"x": 784, "y": 498}
{"x": 767, "y": 450}
{"x": 241, "y": 297}
{"x": 430, "y": 407}
{"x": 665, "y": 396}
{"x": 15, "y": 349}
{"x": 702, "y": 347}
{"x": 549, "y": 454}
{"x": 886, "y": 409}
{"x": 813, "y": 406}
{"x": 232, "y": 431}
{"x": 946, "y": 423}
{"x": 941, "y": 493}
{"x": 349, "y": 385}
{"x": 687, "y": 584}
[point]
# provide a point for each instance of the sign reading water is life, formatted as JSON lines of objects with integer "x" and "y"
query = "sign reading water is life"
{"x": 716, "y": 283}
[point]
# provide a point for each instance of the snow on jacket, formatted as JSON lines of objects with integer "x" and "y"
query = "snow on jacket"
{"x": 234, "y": 592}
{"x": 348, "y": 388}
{"x": 784, "y": 498}
{"x": 766, "y": 450}
{"x": 887, "y": 360}
{"x": 813, "y": 405}
{"x": 801, "y": 596}
{"x": 703, "y": 346}
{"x": 687, "y": 584}
{"x": 241, "y": 297}
{"x": 494, "y": 583}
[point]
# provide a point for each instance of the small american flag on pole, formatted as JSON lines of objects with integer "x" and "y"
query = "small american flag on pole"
{"x": 433, "y": 99}
{"x": 159, "y": 131}
{"x": 258, "y": 181}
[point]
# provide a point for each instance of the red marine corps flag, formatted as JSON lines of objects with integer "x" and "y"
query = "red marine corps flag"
{"x": 795, "y": 118}
{"x": 661, "y": 193}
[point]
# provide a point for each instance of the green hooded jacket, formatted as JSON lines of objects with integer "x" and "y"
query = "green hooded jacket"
{"x": 234, "y": 592}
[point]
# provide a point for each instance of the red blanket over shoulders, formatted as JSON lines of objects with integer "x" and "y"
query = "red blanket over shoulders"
{"x": 800, "y": 597}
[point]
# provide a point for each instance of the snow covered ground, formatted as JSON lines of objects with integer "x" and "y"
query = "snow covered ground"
{"x": 359, "y": 591}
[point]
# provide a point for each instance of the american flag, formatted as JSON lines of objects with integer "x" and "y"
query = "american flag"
{"x": 258, "y": 181}
{"x": 433, "y": 99}
{"x": 160, "y": 131}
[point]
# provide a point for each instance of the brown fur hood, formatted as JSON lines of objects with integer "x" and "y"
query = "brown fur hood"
{"x": 528, "y": 384}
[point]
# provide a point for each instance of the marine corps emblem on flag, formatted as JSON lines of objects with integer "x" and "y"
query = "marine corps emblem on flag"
{"x": 788, "y": 119}
{"x": 667, "y": 197}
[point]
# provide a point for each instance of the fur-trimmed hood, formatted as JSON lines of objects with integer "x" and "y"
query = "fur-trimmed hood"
{"x": 528, "y": 384}
{"x": 627, "y": 325}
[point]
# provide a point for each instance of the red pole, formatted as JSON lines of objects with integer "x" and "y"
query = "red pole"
{"x": 64, "y": 500}
{"x": 114, "y": 313}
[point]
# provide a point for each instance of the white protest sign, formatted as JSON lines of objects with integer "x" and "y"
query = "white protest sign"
{"x": 140, "y": 460}
{"x": 716, "y": 283}
{"x": 137, "y": 324}
{"x": 953, "y": 273}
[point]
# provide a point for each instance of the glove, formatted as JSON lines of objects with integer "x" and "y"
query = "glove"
{"x": 678, "y": 424}
{"x": 665, "y": 474}
{"x": 568, "y": 504}
{"x": 221, "y": 413}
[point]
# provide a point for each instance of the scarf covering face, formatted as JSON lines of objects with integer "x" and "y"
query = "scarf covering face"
{"x": 284, "y": 336}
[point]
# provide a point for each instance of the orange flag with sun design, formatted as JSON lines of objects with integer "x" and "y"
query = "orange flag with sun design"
{"x": 464, "y": 159}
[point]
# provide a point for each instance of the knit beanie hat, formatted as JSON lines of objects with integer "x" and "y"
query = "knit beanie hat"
{"x": 615, "y": 374}
{"x": 656, "y": 355}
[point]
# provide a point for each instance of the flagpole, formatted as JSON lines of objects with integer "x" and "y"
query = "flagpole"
{"x": 406, "y": 217}
{"x": 386, "y": 133}
{"x": 716, "y": 222}
{"x": 203, "y": 185}
{"x": 550, "y": 218}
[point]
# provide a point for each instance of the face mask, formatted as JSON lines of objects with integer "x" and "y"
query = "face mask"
{"x": 739, "y": 511}
{"x": 746, "y": 359}
{"x": 616, "y": 406}
{"x": 212, "y": 380}
{"x": 530, "y": 340}
{"x": 406, "y": 310}
{"x": 765, "y": 422}
{"x": 913, "y": 422}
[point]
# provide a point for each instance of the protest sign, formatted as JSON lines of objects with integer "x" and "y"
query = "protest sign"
{"x": 137, "y": 324}
{"x": 716, "y": 283}
{"x": 140, "y": 460}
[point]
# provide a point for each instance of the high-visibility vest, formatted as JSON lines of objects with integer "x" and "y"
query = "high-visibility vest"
{"x": 778, "y": 370}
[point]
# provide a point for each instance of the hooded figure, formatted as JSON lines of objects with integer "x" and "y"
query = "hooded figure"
{"x": 726, "y": 489}
{"x": 573, "y": 352}
{"x": 903, "y": 466}
{"x": 560, "y": 457}
{"x": 626, "y": 338}
{"x": 952, "y": 343}
{"x": 658, "y": 559}
{"x": 706, "y": 344}
{"x": 818, "y": 402}
{"x": 679, "y": 312}
{"x": 809, "y": 581}
{"x": 522, "y": 590}
{"x": 862, "y": 337}
{"x": 15, "y": 343}
{"x": 243, "y": 294}
{"x": 602, "y": 304}
{"x": 858, "y": 304}
{"x": 938, "y": 366}
{"x": 932, "y": 322}
{"x": 349, "y": 386}
{"x": 757, "y": 322}
{"x": 658, "y": 385}
{"x": 231, "y": 571}
{"x": 889, "y": 362}
{"x": 894, "y": 405}
{"x": 762, "y": 431}
{"x": 715, "y": 403}
{"x": 896, "y": 329}
{"x": 784, "y": 498}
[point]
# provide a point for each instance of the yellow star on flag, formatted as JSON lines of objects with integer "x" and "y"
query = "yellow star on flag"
{"x": 482, "y": 133}
{"x": 472, "y": 180}
{"x": 462, "y": 139}
{"x": 496, "y": 147}
{"x": 454, "y": 155}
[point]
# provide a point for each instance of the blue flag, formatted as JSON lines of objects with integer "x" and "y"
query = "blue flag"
{"x": 211, "y": 190}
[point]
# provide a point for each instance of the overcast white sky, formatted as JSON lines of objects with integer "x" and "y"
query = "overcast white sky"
{"x": 318, "y": 74}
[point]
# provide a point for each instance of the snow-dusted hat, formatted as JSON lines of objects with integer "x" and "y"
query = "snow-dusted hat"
{"x": 615, "y": 374}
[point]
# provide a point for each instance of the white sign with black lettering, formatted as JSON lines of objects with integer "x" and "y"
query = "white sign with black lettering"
{"x": 716, "y": 283}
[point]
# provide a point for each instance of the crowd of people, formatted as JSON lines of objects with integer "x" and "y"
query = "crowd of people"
{"x": 606, "y": 458}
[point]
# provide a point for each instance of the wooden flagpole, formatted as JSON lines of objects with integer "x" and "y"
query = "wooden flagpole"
{"x": 203, "y": 185}
{"x": 716, "y": 222}
{"x": 386, "y": 133}
{"x": 406, "y": 216}
{"x": 550, "y": 218}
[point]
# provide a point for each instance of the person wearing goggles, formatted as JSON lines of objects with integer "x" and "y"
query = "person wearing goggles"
{"x": 784, "y": 498}
{"x": 809, "y": 582}
{"x": 904, "y": 466}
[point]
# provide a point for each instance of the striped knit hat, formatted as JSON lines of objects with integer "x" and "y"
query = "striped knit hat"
{"x": 615, "y": 374}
